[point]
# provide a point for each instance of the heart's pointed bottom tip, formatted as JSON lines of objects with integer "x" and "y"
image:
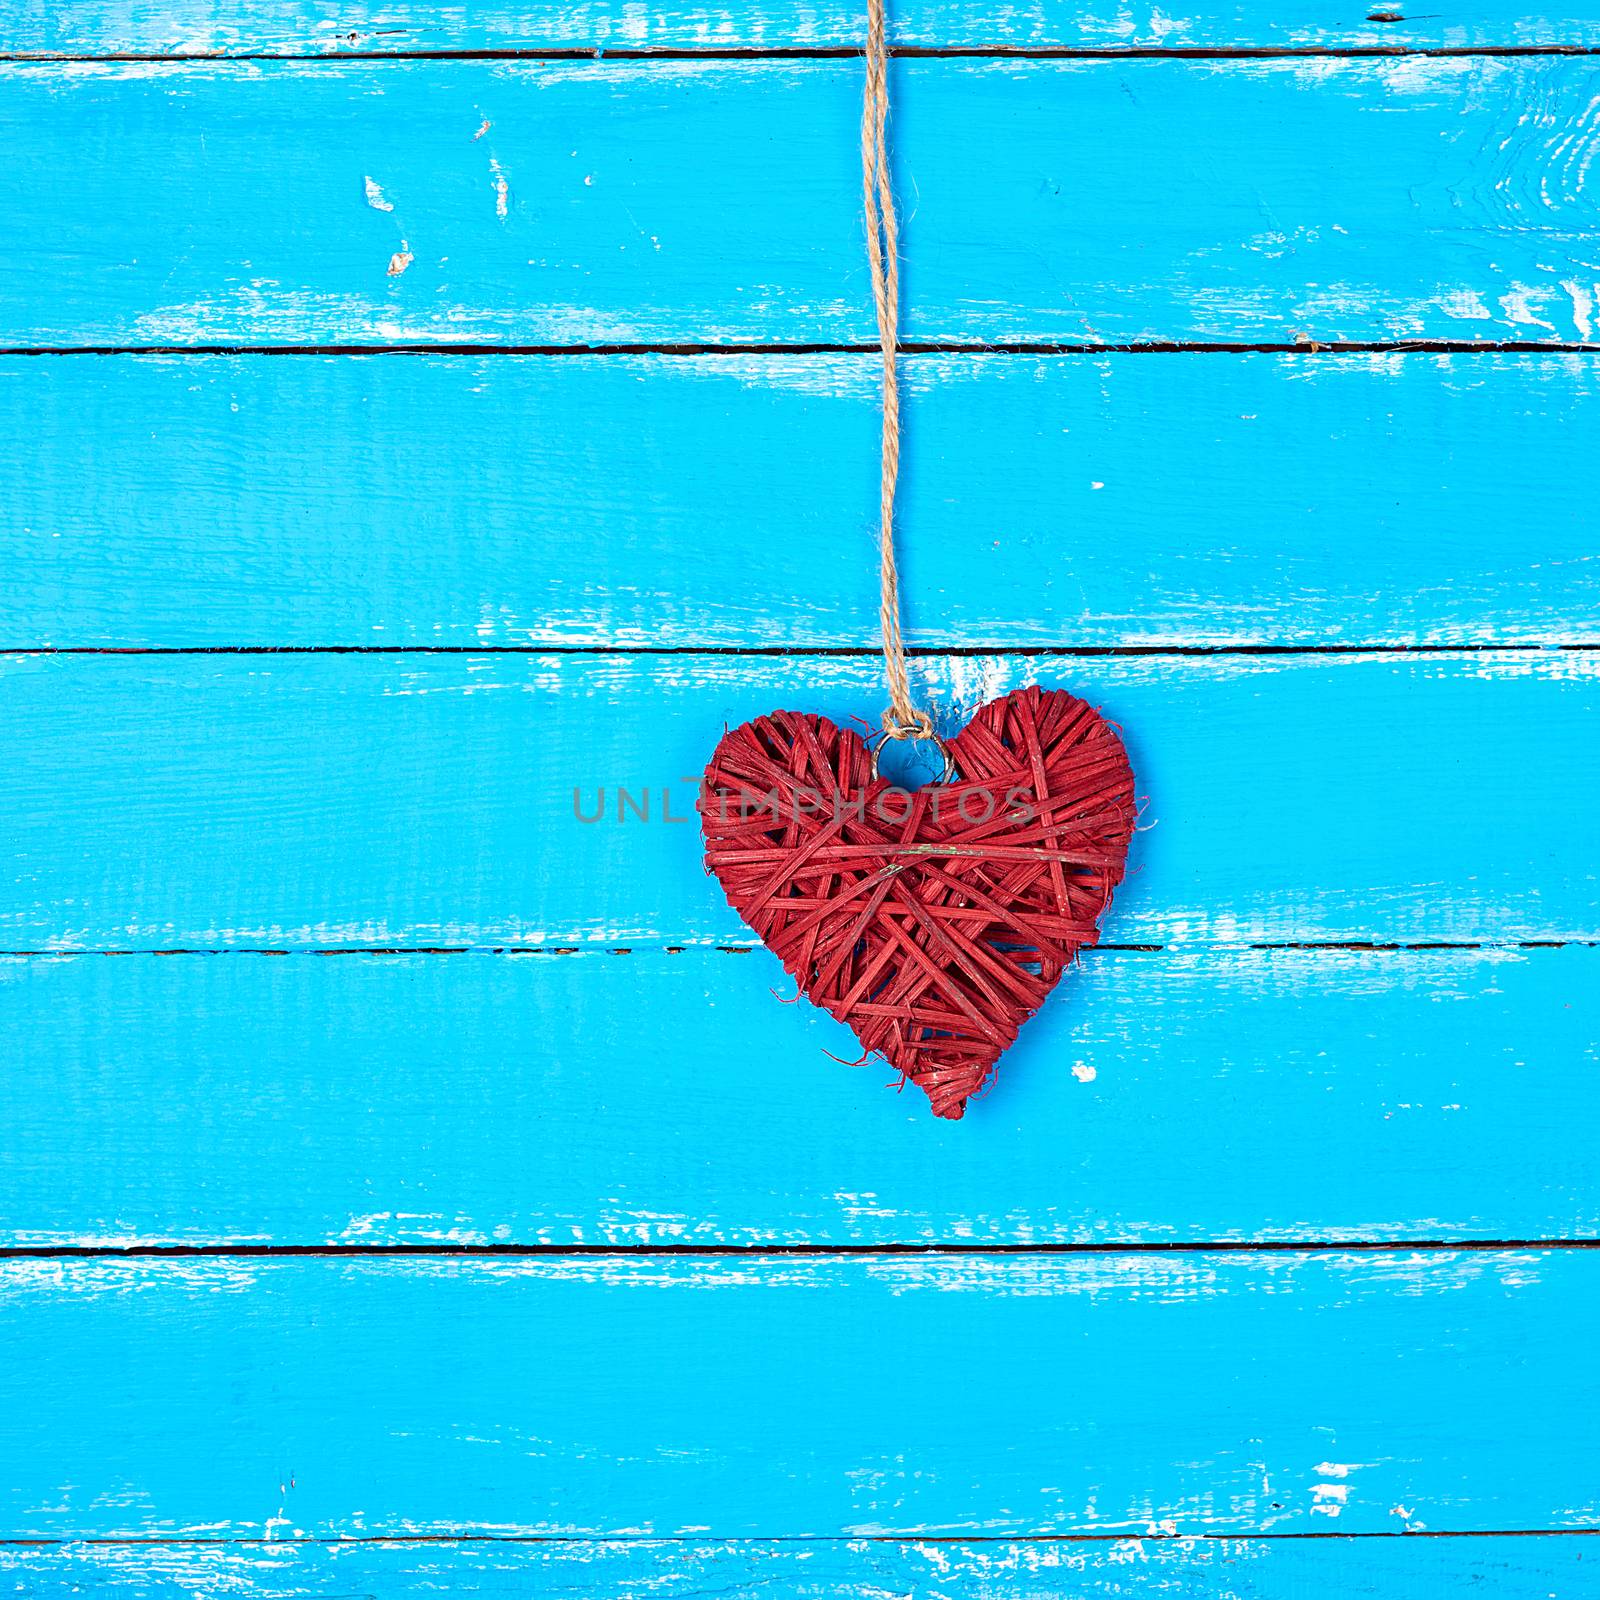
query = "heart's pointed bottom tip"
{"x": 952, "y": 1111}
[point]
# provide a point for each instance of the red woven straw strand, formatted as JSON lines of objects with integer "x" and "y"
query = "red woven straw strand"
{"x": 933, "y": 923}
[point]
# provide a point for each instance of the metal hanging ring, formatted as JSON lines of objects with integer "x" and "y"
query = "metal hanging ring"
{"x": 949, "y": 760}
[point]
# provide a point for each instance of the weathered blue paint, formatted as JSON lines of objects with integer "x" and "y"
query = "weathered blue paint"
{"x": 361, "y": 800}
{"x": 1552, "y": 1565}
{"x": 670, "y": 501}
{"x": 185, "y": 27}
{"x": 668, "y": 1099}
{"x": 1008, "y": 1396}
{"x": 663, "y": 1097}
{"x": 293, "y": 202}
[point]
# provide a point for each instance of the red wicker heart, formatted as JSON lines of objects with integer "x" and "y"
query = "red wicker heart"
{"x": 935, "y": 922}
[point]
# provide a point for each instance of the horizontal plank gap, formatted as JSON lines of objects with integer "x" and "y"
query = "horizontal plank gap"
{"x": 951, "y": 347}
{"x": 779, "y": 651}
{"x": 820, "y": 53}
{"x": 1370, "y": 946}
{"x": 813, "y": 1539}
{"x": 1100, "y": 1247}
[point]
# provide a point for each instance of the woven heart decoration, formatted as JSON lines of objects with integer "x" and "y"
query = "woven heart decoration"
{"x": 933, "y": 922}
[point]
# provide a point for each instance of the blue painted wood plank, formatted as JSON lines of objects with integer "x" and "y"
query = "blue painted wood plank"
{"x": 1007, "y": 1396}
{"x": 668, "y": 1099}
{"x": 296, "y": 202}
{"x": 509, "y": 500}
{"x": 182, "y": 27}
{"x": 1494, "y": 1568}
{"x": 357, "y": 800}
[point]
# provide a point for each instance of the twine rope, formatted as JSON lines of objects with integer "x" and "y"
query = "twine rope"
{"x": 902, "y": 719}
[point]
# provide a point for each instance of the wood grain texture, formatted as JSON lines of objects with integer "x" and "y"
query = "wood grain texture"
{"x": 517, "y": 500}
{"x": 358, "y": 800}
{"x": 657, "y": 1099}
{"x": 290, "y": 203}
{"x": 173, "y": 27}
{"x": 1010, "y": 1396}
{"x": 1495, "y": 1568}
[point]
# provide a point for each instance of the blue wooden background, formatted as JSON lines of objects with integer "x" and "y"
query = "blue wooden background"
{"x": 410, "y": 416}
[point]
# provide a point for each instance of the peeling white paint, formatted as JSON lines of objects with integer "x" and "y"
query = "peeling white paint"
{"x": 1582, "y": 306}
{"x": 1518, "y": 303}
{"x": 1464, "y": 303}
